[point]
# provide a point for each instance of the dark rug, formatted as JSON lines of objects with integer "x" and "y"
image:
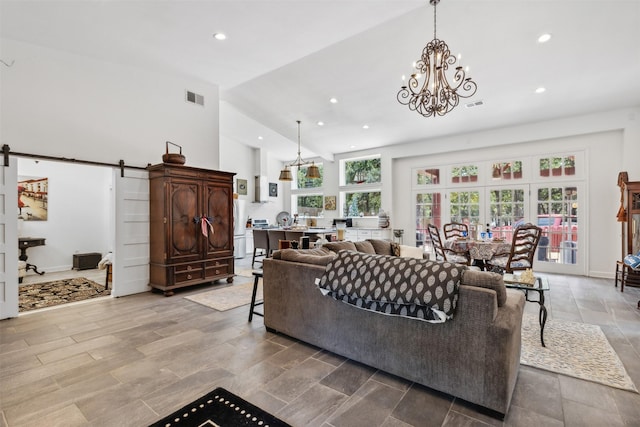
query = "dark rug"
{"x": 48, "y": 294}
{"x": 220, "y": 408}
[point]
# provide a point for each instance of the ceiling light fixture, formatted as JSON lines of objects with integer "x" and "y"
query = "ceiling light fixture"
{"x": 541, "y": 90}
{"x": 312, "y": 170}
{"x": 333, "y": 101}
{"x": 436, "y": 96}
{"x": 220, "y": 36}
{"x": 544, "y": 38}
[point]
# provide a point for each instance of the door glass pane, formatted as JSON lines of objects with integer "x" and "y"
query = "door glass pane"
{"x": 428, "y": 211}
{"x": 506, "y": 210}
{"x": 464, "y": 206}
{"x": 558, "y": 217}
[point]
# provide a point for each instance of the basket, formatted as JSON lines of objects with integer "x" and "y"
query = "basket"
{"x": 173, "y": 158}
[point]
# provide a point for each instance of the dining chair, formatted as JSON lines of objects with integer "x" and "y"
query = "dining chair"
{"x": 274, "y": 240}
{"x": 523, "y": 247}
{"x": 260, "y": 245}
{"x": 455, "y": 229}
{"x": 442, "y": 253}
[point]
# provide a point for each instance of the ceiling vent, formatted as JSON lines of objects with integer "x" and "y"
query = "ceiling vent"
{"x": 194, "y": 98}
{"x": 474, "y": 104}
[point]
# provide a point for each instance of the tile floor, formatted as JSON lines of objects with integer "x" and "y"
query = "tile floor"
{"x": 129, "y": 361}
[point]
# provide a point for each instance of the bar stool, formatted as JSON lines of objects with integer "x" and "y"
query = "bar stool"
{"x": 260, "y": 245}
{"x": 257, "y": 275}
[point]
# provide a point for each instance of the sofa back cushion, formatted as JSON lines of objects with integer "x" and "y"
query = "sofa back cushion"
{"x": 365, "y": 246}
{"x": 338, "y": 246}
{"x": 426, "y": 290}
{"x": 317, "y": 256}
{"x": 382, "y": 247}
{"x": 485, "y": 279}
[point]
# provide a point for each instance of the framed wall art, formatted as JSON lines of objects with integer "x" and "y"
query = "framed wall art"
{"x": 329, "y": 203}
{"x": 242, "y": 187}
{"x": 273, "y": 189}
{"x": 33, "y": 198}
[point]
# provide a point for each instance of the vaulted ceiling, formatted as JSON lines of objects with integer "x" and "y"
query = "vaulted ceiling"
{"x": 283, "y": 60}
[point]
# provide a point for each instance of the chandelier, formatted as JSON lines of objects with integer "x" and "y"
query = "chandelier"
{"x": 312, "y": 170}
{"x": 429, "y": 91}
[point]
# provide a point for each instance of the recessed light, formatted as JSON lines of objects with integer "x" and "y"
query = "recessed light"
{"x": 260, "y": 138}
{"x": 365, "y": 127}
{"x": 333, "y": 101}
{"x": 352, "y": 146}
{"x": 544, "y": 38}
{"x": 320, "y": 123}
{"x": 541, "y": 90}
{"x": 220, "y": 36}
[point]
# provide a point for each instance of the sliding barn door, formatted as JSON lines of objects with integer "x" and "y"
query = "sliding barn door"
{"x": 131, "y": 255}
{"x": 9, "y": 240}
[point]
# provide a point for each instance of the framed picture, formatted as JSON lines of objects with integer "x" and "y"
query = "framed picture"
{"x": 242, "y": 187}
{"x": 33, "y": 198}
{"x": 329, "y": 203}
{"x": 273, "y": 189}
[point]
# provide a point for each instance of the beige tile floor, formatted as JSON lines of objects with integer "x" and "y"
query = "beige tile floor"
{"x": 129, "y": 361}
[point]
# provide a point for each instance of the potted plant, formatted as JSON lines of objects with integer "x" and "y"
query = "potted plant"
{"x": 556, "y": 166}
{"x": 570, "y": 165}
{"x": 544, "y": 167}
{"x": 517, "y": 169}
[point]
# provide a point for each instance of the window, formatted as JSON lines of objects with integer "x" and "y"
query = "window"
{"x": 306, "y": 194}
{"x": 428, "y": 176}
{"x": 362, "y": 171}
{"x": 361, "y": 195}
{"x": 464, "y": 206}
{"x": 467, "y": 173}
{"x": 506, "y": 170}
{"x": 428, "y": 211}
{"x": 557, "y": 166}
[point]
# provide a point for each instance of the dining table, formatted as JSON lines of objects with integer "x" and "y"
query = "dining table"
{"x": 480, "y": 251}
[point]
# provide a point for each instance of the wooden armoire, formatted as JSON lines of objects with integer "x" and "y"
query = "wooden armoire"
{"x": 191, "y": 216}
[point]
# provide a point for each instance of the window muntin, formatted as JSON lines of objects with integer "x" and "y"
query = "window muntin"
{"x": 465, "y": 173}
{"x": 557, "y": 165}
{"x": 506, "y": 170}
{"x": 464, "y": 206}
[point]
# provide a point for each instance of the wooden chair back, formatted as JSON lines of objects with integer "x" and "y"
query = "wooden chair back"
{"x": 523, "y": 247}
{"x": 436, "y": 241}
{"x": 455, "y": 229}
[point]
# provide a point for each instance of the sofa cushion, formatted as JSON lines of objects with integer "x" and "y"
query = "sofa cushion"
{"x": 317, "y": 256}
{"x": 338, "y": 246}
{"x": 365, "y": 246}
{"x": 411, "y": 252}
{"x": 410, "y": 287}
{"x": 382, "y": 247}
{"x": 485, "y": 279}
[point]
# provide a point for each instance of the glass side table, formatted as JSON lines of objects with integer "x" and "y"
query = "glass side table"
{"x": 540, "y": 285}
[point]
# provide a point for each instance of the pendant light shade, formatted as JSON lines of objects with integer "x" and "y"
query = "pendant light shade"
{"x": 313, "y": 172}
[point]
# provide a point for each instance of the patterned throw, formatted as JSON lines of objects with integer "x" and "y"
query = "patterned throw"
{"x": 423, "y": 289}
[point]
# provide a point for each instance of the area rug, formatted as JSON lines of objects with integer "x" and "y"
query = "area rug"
{"x": 49, "y": 294}
{"x": 229, "y": 297}
{"x": 575, "y": 349}
{"x": 220, "y": 408}
{"x": 244, "y": 272}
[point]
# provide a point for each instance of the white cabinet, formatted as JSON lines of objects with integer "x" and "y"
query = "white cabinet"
{"x": 358, "y": 234}
{"x": 249, "y": 234}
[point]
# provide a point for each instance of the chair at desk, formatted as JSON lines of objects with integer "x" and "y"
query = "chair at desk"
{"x": 260, "y": 245}
{"x": 523, "y": 247}
{"x": 455, "y": 229}
{"x": 274, "y": 239}
{"x": 442, "y": 253}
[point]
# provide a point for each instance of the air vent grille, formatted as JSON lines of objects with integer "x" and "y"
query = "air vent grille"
{"x": 194, "y": 98}
{"x": 474, "y": 104}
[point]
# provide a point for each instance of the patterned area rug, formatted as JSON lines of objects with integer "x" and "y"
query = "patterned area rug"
{"x": 229, "y": 297}
{"x": 244, "y": 272}
{"x": 575, "y": 349}
{"x": 220, "y": 408}
{"x": 49, "y": 294}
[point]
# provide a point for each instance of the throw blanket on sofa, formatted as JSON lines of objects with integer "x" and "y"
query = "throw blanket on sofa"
{"x": 425, "y": 290}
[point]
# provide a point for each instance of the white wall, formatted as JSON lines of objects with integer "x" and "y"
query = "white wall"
{"x": 79, "y": 212}
{"x": 60, "y": 104}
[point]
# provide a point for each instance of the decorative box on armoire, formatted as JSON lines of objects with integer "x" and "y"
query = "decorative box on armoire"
{"x": 191, "y": 226}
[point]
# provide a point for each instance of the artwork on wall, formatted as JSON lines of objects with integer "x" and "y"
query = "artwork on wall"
{"x": 330, "y": 203}
{"x": 242, "y": 187}
{"x": 273, "y": 189}
{"x": 33, "y": 198}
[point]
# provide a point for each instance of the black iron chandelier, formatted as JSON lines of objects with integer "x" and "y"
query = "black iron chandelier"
{"x": 312, "y": 170}
{"x": 429, "y": 91}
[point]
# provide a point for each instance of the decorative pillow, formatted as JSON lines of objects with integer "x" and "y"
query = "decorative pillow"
{"x": 395, "y": 249}
{"x": 411, "y": 252}
{"x": 409, "y": 287}
{"x": 382, "y": 247}
{"x": 338, "y": 246}
{"x": 365, "y": 246}
{"x": 632, "y": 261}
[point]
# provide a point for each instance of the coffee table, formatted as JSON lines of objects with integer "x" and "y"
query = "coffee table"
{"x": 540, "y": 285}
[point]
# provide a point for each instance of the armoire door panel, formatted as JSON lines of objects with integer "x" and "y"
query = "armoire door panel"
{"x": 183, "y": 208}
{"x": 219, "y": 210}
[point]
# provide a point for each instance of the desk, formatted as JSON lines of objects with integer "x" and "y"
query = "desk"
{"x": 25, "y": 243}
{"x": 540, "y": 286}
